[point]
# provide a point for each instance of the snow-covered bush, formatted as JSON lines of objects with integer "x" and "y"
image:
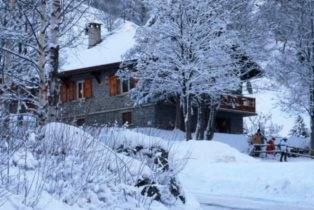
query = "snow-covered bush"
{"x": 125, "y": 170}
{"x": 18, "y": 167}
{"x": 85, "y": 172}
{"x": 157, "y": 154}
{"x": 70, "y": 165}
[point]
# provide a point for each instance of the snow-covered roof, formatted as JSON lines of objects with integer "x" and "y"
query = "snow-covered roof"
{"x": 111, "y": 50}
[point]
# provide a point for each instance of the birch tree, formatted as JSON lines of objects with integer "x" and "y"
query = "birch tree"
{"x": 37, "y": 29}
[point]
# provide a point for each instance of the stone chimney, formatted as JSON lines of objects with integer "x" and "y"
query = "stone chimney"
{"x": 93, "y": 30}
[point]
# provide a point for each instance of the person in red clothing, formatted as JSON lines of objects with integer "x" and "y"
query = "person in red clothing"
{"x": 270, "y": 148}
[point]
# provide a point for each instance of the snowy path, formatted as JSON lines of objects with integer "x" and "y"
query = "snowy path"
{"x": 254, "y": 186}
{"x": 220, "y": 177}
{"x": 211, "y": 202}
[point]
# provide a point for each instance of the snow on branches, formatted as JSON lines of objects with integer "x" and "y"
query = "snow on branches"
{"x": 184, "y": 52}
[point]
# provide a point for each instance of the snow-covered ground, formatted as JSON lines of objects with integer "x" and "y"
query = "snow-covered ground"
{"x": 220, "y": 176}
{"x": 239, "y": 141}
{"x": 223, "y": 178}
{"x": 211, "y": 174}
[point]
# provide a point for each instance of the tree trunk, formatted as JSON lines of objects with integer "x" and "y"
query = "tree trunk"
{"x": 210, "y": 129}
{"x": 312, "y": 83}
{"x": 312, "y": 110}
{"x": 179, "y": 117}
{"x": 187, "y": 117}
{"x": 52, "y": 61}
{"x": 200, "y": 127}
{"x": 312, "y": 135}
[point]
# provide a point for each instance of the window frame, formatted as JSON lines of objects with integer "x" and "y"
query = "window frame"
{"x": 78, "y": 83}
{"x": 128, "y": 86}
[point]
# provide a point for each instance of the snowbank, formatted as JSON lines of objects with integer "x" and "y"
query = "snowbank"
{"x": 237, "y": 141}
{"x": 217, "y": 173}
{"x": 216, "y": 169}
{"x": 47, "y": 202}
{"x": 203, "y": 153}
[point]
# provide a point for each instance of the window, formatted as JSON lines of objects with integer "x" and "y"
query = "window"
{"x": 125, "y": 86}
{"x": 128, "y": 84}
{"x": 80, "y": 89}
{"x": 70, "y": 90}
{"x": 116, "y": 86}
{"x": 127, "y": 118}
{"x": 80, "y": 122}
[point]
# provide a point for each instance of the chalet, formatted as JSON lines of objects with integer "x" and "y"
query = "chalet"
{"x": 91, "y": 93}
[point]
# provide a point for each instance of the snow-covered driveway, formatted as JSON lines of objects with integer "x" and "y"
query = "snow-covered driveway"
{"x": 211, "y": 202}
{"x": 220, "y": 177}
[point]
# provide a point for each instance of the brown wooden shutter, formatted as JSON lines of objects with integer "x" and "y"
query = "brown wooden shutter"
{"x": 118, "y": 85}
{"x": 71, "y": 91}
{"x": 111, "y": 84}
{"x": 114, "y": 85}
{"x": 63, "y": 93}
{"x": 88, "y": 88}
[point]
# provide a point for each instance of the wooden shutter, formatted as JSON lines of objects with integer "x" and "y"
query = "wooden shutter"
{"x": 88, "y": 88}
{"x": 71, "y": 93}
{"x": 114, "y": 85}
{"x": 118, "y": 86}
{"x": 63, "y": 93}
{"x": 111, "y": 85}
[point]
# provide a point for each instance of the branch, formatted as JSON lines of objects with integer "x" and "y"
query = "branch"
{"x": 21, "y": 56}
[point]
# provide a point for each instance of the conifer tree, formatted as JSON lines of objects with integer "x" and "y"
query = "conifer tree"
{"x": 299, "y": 129}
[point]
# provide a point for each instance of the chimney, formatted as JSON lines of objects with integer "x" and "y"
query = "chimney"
{"x": 93, "y": 30}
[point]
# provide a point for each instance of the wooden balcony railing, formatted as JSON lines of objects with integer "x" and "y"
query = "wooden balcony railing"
{"x": 238, "y": 103}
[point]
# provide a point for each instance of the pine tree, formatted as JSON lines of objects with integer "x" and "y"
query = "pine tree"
{"x": 299, "y": 129}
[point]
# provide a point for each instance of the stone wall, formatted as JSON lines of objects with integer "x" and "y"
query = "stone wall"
{"x": 102, "y": 108}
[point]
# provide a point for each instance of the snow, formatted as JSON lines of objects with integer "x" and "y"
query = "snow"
{"x": 113, "y": 46}
{"x": 279, "y": 182}
{"x": 204, "y": 152}
{"x": 75, "y": 171}
{"x": 47, "y": 202}
{"x": 213, "y": 174}
{"x": 237, "y": 141}
{"x": 24, "y": 159}
{"x": 223, "y": 178}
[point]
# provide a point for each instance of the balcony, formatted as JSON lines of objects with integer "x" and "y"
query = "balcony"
{"x": 238, "y": 104}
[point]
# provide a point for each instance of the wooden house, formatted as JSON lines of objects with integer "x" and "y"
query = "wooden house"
{"x": 91, "y": 93}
